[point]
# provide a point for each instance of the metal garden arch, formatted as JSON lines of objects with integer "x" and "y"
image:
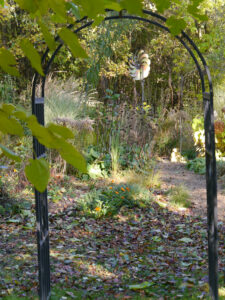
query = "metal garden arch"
{"x": 211, "y": 181}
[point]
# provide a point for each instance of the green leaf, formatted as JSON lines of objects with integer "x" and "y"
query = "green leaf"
{"x": 140, "y": 286}
{"x": 162, "y": 5}
{"x": 98, "y": 20}
{"x": 43, "y": 7}
{"x": 7, "y": 62}
{"x": 28, "y": 5}
{"x": 91, "y": 8}
{"x": 113, "y": 5}
{"x": 32, "y": 54}
{"x": 59, "y": 7}
{"x": 10, "y": 154}
{"x": 57, "y": 19}
{"x": 10, "y": 125}
{"x": 72, "y": 42}
{"x": 195, "y": 12}
{"x": 46, "y": 136}
{"x": 175, "y": 25}
{"x": 64, "y": 132}
{"x": 43, "y": 135}
{"x": 73, "y": 157}
{"x": 185, "y": 240}
{"x": 8, "y": 108}
{"x": 38, "y": 174}
{"x": 2, "y": 3}
{"x": 74, "y": 9}
{"x": 22, "y": 116}
{"x": 51, "y": 137}
{"x": 35, "y": 8}
{"x": 132, "y": 6}
{"x": 47, "y": 36}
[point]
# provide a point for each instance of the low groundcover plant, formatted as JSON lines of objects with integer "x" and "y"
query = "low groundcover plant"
{"x": 109, "y": 201}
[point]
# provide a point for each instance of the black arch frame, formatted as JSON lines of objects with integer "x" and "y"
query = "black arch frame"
{"x": 211, "y": 178}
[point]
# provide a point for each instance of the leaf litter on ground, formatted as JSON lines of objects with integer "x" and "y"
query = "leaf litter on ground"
{"x": 140, "y": 253}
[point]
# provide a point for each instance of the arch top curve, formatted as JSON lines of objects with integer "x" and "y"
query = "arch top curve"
{"x": 183, "y": 38}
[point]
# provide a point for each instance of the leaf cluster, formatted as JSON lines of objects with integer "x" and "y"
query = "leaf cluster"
{"x": 13, "y": 122}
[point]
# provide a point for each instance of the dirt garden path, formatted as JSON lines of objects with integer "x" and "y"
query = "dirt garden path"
{"x": 173, "y": 174}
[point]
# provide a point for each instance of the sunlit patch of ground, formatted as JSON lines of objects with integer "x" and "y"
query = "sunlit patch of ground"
{"x": 174, "y": 174}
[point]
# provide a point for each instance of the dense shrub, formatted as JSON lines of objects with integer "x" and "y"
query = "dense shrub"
{"x": 197, "y": 165}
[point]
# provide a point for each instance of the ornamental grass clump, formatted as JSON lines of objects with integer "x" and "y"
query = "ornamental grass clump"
{"x": 180, "y": 197}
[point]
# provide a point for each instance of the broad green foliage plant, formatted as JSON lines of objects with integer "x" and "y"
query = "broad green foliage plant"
{"x": 98, "y": 163}
{"x": 197, "y": 165}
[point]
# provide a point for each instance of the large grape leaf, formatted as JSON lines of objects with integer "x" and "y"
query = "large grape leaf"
{"x": 53, "y": 137}
{"x": 21, "y": 115}
{"x": 32, "y": 54}
{"x": 47, "y": 36}
{"x": 7, "y": 62}
{"x": 162, "y": 5}
{"x": 62, "y": 131}
{"x": 8, "y": 108}
{"x": 35, "y": 8}
{"x": 43, "y": 135}
{"x": 91, "y": 8}
{"x": 10, "y": 125}
{"x": 37, "y": 172}
{"x": 113, "y": 5}
{"x": 59, "y": 7}
{"x": 175, "y": 25}
{"x": 28, "y": 5}
{"x": 74, "y": 9}
{"x": 132, "y": 6}
{"x": 73, "y": 157}
{"x": 195, "y": 12}
{"x": 72, "y": 42}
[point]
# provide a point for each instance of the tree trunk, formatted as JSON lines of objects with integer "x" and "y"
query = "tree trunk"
{"x": 180, "y": 94}
{"x": 170, "y": 85}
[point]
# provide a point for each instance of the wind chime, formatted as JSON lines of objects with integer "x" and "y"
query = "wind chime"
{"x": 139, "y": 68}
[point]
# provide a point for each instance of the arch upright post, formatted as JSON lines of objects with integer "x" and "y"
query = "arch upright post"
{"x": 41, "y": 204}
{"x": 211, "y": 184}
